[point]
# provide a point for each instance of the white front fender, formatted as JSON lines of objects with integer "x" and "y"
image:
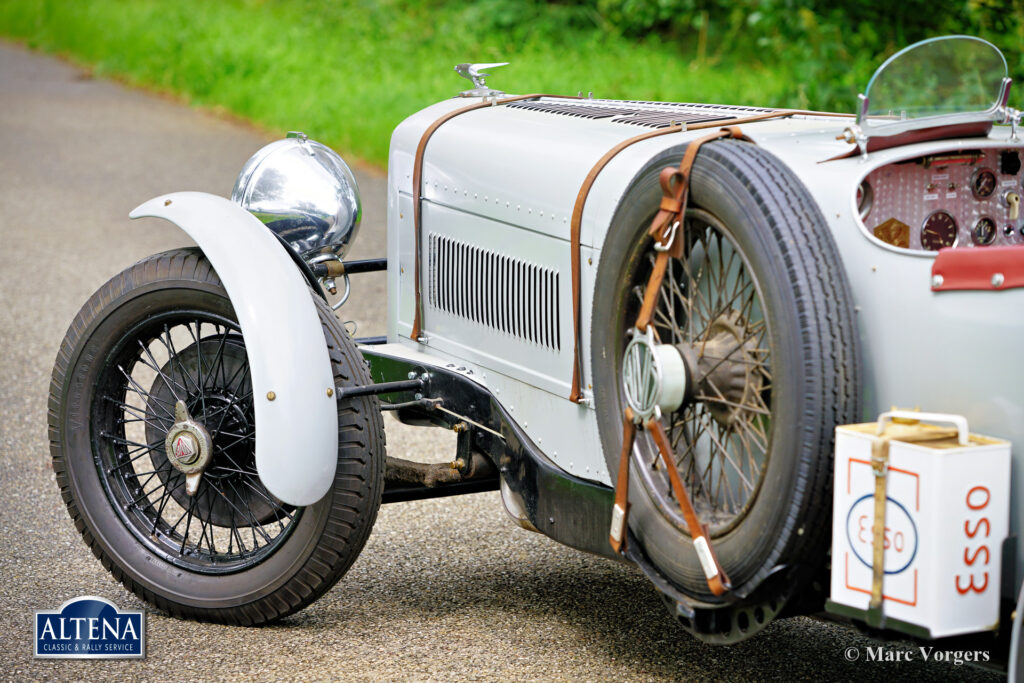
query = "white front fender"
{"x": 297, "y": 431}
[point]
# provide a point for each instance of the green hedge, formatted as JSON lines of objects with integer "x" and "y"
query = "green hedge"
{"x": 347, "y": 71}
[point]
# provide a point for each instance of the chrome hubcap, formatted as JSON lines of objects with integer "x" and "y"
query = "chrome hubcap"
{"x": 189, "y": 447}
{"x": 654, "y": 376}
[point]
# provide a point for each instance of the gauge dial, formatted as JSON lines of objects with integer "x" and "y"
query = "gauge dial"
{"x": 984, "y": 231}
{"x": 938, "y": 231}
{"x": 983, "y": 183}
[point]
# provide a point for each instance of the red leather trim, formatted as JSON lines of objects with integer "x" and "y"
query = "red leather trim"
{"x": 978, "y": 268}
{"x": 960, "y": 130}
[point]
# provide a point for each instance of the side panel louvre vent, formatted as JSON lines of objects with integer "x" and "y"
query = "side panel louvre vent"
{"x": 494, "y": 290}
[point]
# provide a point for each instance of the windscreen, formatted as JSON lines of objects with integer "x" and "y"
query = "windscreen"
{"x": 948, "y": 75}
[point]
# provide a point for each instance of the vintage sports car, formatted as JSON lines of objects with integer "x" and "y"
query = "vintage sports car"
{"x": 644, "y": 320}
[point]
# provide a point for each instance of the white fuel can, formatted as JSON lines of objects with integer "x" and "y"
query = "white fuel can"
{"x": 946, "y": 516}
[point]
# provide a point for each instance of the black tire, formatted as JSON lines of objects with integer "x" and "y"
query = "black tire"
{"x": 747, "y": 197}
{"x": 240, "y": 584}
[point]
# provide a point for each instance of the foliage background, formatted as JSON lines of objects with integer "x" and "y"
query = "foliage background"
{"x": 347, "y": 71}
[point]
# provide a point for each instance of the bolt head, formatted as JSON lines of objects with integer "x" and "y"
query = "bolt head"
{"x": 271, "y": 395}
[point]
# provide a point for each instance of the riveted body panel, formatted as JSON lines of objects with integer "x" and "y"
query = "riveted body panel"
{"x": 506, "y": 179}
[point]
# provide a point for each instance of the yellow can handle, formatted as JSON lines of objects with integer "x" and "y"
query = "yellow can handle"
{"x": 959, "y": 420}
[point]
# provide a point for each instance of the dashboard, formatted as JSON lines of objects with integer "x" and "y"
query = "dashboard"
{"x": 963, "y": 199}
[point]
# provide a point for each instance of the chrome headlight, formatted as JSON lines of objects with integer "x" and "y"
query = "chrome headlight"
{"x": 304, "y": 192}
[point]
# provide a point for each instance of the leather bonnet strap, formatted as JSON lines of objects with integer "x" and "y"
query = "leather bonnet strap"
{"x": 675, "y": 189}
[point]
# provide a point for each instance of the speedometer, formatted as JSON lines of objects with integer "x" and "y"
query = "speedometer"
{"x": 938, "y": 231}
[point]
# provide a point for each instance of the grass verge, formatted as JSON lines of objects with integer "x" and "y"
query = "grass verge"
{"x": 347, "y": 72}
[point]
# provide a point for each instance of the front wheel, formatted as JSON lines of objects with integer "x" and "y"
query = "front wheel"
{"x": 161, "y": 341}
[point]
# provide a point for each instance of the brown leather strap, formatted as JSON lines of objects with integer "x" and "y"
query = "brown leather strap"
{"x": 576, "y": 393}
{"x": 620, "y": 511}
{"x": 651, "y": 293}
{"x": 417, "y": 183}
{"x": 880, "y": 467}
{"x": 717, "y": 580}
{"x": 675, "y": 189}
{"x": 574, "y": 246}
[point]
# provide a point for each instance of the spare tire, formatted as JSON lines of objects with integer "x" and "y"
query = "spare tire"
{"x": 760, "y": 307}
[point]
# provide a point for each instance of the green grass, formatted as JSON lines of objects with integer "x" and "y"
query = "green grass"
{"x": 347, "y": 72}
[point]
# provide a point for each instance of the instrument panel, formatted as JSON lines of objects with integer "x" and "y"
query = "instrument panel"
{"x": 963, "y": 199}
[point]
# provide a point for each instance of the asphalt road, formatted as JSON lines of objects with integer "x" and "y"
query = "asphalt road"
{"x": 446, "y": 589}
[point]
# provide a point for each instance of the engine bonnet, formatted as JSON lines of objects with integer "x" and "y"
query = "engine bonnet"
{"x": 523, "y": 163}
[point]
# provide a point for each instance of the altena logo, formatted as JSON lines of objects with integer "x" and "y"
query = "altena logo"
{"x": 90, "y": 627}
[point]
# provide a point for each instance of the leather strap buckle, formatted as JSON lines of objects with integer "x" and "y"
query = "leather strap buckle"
{"x": 666, "y": 243}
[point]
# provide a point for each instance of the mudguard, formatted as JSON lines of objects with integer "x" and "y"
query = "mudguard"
{"x": 296, "y": 430}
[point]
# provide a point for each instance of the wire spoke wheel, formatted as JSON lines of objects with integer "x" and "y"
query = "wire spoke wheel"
{"x": 710, "y": 307}
{"x": 232, "y": 521}
{"x": 153, "y": 436}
